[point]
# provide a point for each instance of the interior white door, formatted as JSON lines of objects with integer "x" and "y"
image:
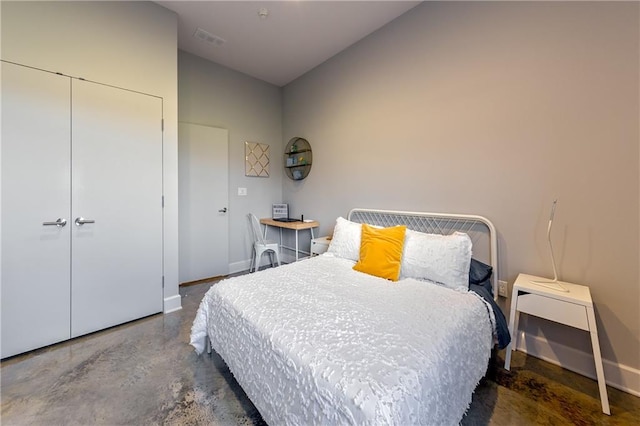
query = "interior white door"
{"x": 116, "y": 273}
{"x": 35, "y": 189}
{"x": 203, "y": 182}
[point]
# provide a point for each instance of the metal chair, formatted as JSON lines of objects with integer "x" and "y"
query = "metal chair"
{"x": 260, "y": 245}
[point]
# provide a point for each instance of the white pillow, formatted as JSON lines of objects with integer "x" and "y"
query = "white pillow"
{"x": 345, "y": 242}
{"x": 444, "y": 259}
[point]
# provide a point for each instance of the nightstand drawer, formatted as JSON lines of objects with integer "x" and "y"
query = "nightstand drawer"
{"x": 319, "y": 245}
{"x": 555, "y": 310}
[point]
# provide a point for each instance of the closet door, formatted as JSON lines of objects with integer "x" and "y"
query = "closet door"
{"x": 203, "y": 197}
{"x": 117, "y": 193}
{"x": 35, "y": 190}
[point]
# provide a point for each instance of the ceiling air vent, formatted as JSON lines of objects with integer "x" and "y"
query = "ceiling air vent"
{"x": 206, "y": 36}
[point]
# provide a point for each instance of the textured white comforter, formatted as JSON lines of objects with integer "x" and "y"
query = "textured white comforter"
{"x": 315, "y": 342}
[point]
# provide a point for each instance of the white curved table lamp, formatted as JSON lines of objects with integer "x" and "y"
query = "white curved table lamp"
{"x": 553, "y": 284}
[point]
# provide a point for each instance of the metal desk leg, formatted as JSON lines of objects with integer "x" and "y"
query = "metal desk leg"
{"x": 296, "y": 245}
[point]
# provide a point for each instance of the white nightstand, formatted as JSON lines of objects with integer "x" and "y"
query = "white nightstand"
{"x": 319, "y": 245}
{"x": 573, "y": 308}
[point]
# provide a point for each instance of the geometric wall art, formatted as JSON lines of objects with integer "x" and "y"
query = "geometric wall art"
{"x": 256, "y": 156}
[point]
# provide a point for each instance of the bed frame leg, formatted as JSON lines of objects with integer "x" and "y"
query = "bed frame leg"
{"x": 493, "y": 362}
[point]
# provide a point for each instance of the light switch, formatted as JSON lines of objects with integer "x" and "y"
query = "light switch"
{"x": 242, "y": 191}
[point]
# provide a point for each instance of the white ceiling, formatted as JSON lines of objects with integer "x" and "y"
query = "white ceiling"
{"x": 295, "y": 37}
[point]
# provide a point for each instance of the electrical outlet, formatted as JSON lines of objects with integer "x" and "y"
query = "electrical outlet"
{"x": 503, "y": 289}
{"x": 242, "y": 191}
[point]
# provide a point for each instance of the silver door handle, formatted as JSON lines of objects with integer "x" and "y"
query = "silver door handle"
{"x": 223, "y": 210}
{"x": 59, "y": 223}
{"x": 81, "y": 221}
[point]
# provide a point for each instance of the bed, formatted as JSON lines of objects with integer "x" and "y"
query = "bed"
{"x": 317, "y": 342}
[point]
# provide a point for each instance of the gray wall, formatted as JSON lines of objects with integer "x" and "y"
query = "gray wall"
{"x": 126, "y": 44}
{"x": 212, "y": 95}
{"x": 493, "y": 108}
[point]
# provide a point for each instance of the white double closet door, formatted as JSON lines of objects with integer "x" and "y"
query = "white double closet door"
{"x": 89, "y": 156}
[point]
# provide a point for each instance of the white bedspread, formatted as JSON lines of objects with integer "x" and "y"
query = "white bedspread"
{"x": 315, "y": 342}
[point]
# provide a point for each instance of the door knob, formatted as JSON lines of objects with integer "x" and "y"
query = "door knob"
{"x": 223, "y": 210}
{"x": 59, "y": 223}
{"x": 81, "y": 221}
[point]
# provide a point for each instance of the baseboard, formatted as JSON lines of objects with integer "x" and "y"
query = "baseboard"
{"x": 619, "y": 376}
{"x": 289, "y": 257}
{"x": 172, "y": 304}
{"x": 241, "y": 266}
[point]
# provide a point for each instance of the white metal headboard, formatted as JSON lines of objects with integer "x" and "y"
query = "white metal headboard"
{"x": 480, "y": 230}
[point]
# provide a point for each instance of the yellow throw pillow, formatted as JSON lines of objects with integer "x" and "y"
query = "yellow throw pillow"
{"x": 381, "y": 251}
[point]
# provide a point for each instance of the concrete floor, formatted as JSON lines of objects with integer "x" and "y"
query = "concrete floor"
{"x": 145, "y": 373}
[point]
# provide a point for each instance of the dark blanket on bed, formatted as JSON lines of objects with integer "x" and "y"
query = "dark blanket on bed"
{"x": 501, "y": 322}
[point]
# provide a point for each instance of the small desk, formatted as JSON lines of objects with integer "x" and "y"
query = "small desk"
{"x": 296, "y": 226}
{"x": 573, "y": 308}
